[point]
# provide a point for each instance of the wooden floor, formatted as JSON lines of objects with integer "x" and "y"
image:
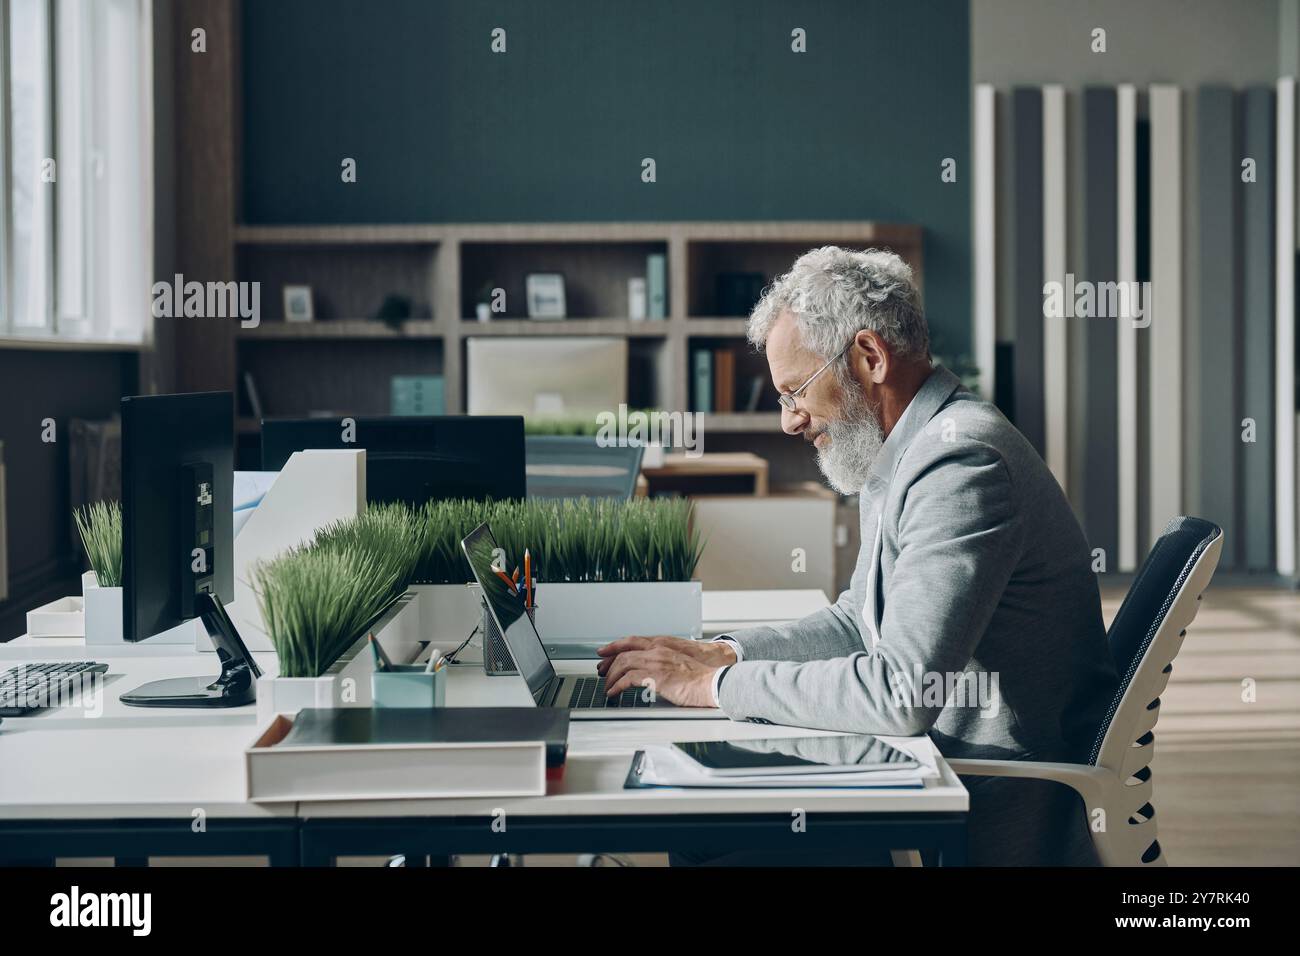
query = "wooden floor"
{"x": 1227, "y": 770}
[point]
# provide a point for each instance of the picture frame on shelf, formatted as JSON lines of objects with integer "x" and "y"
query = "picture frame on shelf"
{"x": 545, "y": 294}
{"x": 298, "y": 305}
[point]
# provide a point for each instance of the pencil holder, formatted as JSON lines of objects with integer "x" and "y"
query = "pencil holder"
{"x": 408, "y": 685}
{"x": 497, "y": 661}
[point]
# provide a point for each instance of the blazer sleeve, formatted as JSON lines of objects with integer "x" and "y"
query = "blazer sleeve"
{"x": 959, "y": 539}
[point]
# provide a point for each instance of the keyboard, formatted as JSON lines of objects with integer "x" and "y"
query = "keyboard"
{"x": 35, "y": 686}
{"x": 589, "y": 693}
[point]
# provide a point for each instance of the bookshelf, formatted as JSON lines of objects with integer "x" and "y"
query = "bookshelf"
{"x": 343, "y": 361}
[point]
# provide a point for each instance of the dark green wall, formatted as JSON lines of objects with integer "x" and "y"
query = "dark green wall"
{"x": 443, "y": 130}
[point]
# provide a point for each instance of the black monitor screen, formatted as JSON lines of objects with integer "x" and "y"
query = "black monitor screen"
{"x": 173, "y": 446}
{"x": 415, "y": 460}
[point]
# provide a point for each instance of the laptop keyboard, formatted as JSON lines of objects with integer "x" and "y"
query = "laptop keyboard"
{"x": 589, "y": 693}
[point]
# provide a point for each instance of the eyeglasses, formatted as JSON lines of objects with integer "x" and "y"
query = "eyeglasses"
{"x": 787, "y": 399}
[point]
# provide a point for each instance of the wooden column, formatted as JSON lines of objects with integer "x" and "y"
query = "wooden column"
{"x": 206, "y": 165}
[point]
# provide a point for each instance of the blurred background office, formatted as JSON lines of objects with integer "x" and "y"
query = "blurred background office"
{"x": 556, "y": 209}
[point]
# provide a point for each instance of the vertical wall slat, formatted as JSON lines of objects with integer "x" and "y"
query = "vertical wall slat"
{"x": 1218, "y": 172}
{"x": 1284, "y": 457}
{"x": 1165, "y": 334}
{"x": 1027, "y": 160}
{"x": 1056, "y": 369}
{"x": 985, "y": 229}
{"x": 1126, "y": 333}
{"x": 1257, "y": 233}
{"x": 1099, "y": 494}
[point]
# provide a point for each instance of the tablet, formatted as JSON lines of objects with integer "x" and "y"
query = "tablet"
{"x": 858, "y": 753}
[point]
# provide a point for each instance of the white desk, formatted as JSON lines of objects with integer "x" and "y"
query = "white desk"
{"x": 128, "y": 782}
{"x": 589, "y": 809}
{"x": 732, "y": 610}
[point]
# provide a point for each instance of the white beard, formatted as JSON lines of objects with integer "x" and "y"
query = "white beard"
{"x": 856, "y": 438}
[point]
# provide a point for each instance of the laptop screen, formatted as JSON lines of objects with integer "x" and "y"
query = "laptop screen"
{"x": 508, "y": 611}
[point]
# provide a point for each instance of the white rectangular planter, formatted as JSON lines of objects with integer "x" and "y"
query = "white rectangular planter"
{"x": 347, "y": 682}
{"x": 448, "y": 613}
{"x": 103, "y": 614}
{"x": 103, "y": 611}
{"x": 65, "y": 617}
{"x": 569, "y": 613}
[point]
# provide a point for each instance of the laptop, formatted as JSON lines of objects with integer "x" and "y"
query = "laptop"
{"x": 583, "y": 697}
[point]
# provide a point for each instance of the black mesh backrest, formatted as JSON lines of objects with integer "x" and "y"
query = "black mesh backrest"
{"x": 1148, "y": 601}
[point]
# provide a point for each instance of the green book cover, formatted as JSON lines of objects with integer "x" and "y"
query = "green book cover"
{"x": 703, "y": 380}
{"x": 656, "y": 281}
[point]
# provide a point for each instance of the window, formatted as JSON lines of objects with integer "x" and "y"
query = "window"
{"x": 75, "y": 188}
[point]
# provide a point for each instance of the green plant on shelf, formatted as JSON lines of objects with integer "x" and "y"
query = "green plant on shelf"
{"x": 100, "y": 528}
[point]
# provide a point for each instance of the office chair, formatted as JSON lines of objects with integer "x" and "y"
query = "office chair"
{"x": 1144, "y": 638}
{"x": 575, "y": 466}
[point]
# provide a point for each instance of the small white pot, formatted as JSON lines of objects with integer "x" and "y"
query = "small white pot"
{"x": 103, "y": 614}
{"x": 103, "y": 610}
{"x": 347, "y": 682}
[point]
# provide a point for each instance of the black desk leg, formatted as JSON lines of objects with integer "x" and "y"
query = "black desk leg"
{"x": 952, "y": 849}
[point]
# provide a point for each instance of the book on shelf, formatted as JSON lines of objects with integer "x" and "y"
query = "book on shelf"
{"x": 254, "y": 402}
{"x": 636, "y": 298}
{"x": 724, "y": 380}
{"x": 702, "y": 374}
{"x": 656, "y": 280}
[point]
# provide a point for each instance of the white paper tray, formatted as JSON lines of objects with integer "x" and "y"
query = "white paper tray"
{"x": 390, "y": 771}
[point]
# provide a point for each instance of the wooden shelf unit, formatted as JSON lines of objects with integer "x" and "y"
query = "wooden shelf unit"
{"x": 352, "y": 268}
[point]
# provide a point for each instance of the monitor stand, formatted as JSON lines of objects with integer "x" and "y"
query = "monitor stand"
{"x": 236, "y": 684}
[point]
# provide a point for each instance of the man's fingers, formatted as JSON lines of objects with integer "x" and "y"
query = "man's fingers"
{"x": 633, "y": 678}
{"x": 619, "y": 666}
{"x": 614, "y": 648}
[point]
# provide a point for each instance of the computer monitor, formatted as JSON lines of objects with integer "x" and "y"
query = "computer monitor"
{"x": 558, "y": 376}
{"x": 177, "y": 538}
{"x": 414, "y": 459}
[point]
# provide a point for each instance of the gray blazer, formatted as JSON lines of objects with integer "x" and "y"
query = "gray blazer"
{"x": 973, "y": 615}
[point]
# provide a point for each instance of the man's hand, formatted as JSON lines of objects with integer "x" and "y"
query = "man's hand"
{"x": 665, "y": 673}
{"x": 713, "y": 653}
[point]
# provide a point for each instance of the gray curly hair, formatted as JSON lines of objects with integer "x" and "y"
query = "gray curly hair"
{"x": 834, "y": 293}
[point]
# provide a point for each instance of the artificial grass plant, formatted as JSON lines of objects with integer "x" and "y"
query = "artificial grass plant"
{"x": 317, "y": 599}
{"x": 579, "y": 539}
{"x": 100, "y": 528}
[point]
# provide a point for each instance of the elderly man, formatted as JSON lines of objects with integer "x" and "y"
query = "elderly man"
{"x": 972, "y": 615}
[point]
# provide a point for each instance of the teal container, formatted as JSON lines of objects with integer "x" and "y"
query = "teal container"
{"x": 408, "y": 685}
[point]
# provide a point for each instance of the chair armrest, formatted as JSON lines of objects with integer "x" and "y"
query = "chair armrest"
{"x": 1088, "y": 781}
